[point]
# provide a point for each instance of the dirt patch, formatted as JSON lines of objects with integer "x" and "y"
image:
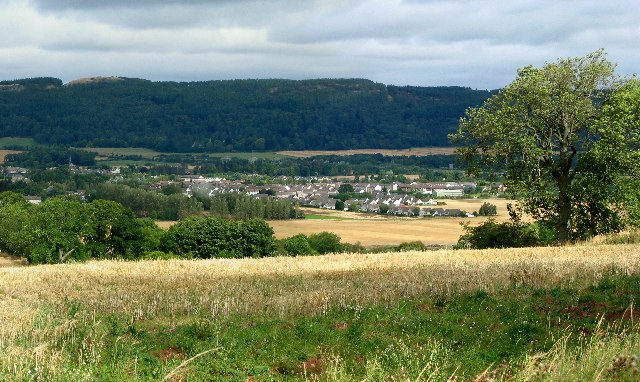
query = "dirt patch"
{"x": 340, "y": 326}
{"x": 312, "y": 366}
{"x": 167, "y": 354}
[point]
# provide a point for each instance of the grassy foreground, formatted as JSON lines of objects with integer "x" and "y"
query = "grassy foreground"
{"x": 556, "y": 314}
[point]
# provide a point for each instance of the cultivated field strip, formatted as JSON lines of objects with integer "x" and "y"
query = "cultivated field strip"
{"x": 283, "y": 286}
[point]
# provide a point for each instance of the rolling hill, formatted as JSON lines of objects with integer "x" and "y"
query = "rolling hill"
{"x": 231, "y": 115}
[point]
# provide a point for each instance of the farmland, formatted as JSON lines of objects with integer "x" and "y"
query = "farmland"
{"x": 374, "y": 230}
{"x": 4, "y": 153}
{"x": 413, "y": 316}
{"x": 377, "y": 230}
{"x": 107, "y": 152}
{"x": 417, "y": 151}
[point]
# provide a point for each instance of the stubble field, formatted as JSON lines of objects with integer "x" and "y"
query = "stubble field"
{"x": 374, "y": 230}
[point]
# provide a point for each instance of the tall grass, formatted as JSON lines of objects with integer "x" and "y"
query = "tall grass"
{"x": 55, "y": 319}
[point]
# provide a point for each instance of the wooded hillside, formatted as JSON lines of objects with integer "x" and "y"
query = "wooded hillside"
{"x": 237, "y": 115}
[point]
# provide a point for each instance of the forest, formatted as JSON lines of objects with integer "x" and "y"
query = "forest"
{"x": 232, "y": 115}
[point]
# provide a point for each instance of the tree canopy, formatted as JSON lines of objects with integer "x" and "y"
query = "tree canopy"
{"x": 565, "y": 136}
{"x": 238, "y": 115}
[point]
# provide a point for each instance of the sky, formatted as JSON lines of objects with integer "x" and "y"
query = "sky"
{"x": 474, "y": 43}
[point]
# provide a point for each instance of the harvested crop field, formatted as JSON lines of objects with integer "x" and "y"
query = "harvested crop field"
{"x": 375, "y": 230}
{"x": 4, "y": 153}
{"x": 378, "y": 230}
{"x": 417, "y": 151}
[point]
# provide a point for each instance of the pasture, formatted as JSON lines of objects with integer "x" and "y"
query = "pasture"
{"x": 410, "y": 316}
{"x": 8, "y": 142}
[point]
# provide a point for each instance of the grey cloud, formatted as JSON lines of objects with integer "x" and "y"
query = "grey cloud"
{"x": 479, "y": 43}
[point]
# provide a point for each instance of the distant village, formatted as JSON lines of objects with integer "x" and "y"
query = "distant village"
{"x": 413, "y": 199}
{"x": 402, "y": 199}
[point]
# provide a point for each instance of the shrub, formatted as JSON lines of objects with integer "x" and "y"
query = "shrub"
{"x": 505, "y": 235}
{"x": 213, "y": 237}
{"x": 297, "y": 245}
{"x": 488, "y": 209}
{"x": 411, "y": 246}
{"x": 325, "y": 242}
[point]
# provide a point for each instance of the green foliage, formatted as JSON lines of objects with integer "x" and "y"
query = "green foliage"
{"x": 566, "y": 137}
{"x": 213, "y": 237}
{"x": 411, "y": 246}
{"x": 513, "y": 333}
{"x": 325, "y": 242}
{"x": 43, "y": 157}
{"x": 12, "y": 198}
{"x": 491, "y": 234}
{"x": 297, "y": 245}
{"x": 241, "y": 206}
{"x": 149, "y": 204}
{"x": 238, "y": 115}
{"x": 63, "y": 228}
{"x": 345, "y": 188}
{"x": 339, "y": 205}
{"x": 488, "y": 209}
{"x": 329, "y": 165}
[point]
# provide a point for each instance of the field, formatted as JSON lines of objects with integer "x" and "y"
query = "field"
{"x": 106, "y": 152}
{"x": 374, "y": 230}
{"x": 4, "y": 153}
{"x": 417, "y": 151}
{"x": 559, "y": 313}
{"x": 13, "y": 142}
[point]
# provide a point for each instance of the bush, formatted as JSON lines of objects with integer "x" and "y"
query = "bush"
{"x": 411, "y": 246}
{"x": 488, "y": 209}
{"x": 213, "y": 237}
{"x": 297, "y": 245}
{"x": 505, "y": 235}
{"x": 325, "y": 242}
{"x": 353, "y": 248}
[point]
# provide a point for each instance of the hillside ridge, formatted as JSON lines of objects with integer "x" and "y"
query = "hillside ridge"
{"x": 232, "y": 115}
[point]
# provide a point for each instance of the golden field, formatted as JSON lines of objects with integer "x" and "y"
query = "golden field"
{"x": 378, "y": 230}
{"x": 47, "y": 308}
{"x": 372, "y": 230}
{"x": 286, "y": 285}
{"x": 417, "y": 151}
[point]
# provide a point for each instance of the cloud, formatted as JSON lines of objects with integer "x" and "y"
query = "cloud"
{"x": 477, "y": 43}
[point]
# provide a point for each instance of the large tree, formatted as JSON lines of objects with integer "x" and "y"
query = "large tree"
{"x": 566, "y": 138}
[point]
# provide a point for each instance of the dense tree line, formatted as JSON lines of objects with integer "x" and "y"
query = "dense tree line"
{"x": 63, "y": 228}
{"x": 238, "y": 115}
{"x": 241, "y": 206}
{"x": 151, "y": 204}
{"x": 44, "y": 157}
{"x": 325, "y": 165}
